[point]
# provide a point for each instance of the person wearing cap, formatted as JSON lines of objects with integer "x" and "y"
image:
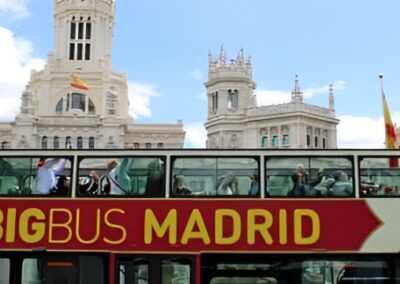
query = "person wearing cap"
{"x": 48, "y": 169}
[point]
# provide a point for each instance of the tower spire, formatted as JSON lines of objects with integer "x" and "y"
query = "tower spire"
{"x": 297, "y": 95}
{"x": 331, "y": 97}
{"x": 222, "y": 56}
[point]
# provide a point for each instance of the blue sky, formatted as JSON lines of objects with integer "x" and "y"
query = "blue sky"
{"x": 163, "y": 47}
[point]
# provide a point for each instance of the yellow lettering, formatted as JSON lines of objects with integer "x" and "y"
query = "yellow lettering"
{"x": 115, "y": 226}
{"x": 220, "y": 215}
{"x": 77, "y": 228}
{"x": 282, "y": 227}
{"x": 262, "y": 228}
{"x": 38, "y": 228}
{"x": 10, "y": 232}
{"x": 65, "y": 225}
{"x": 151, "y": 224}
{"x": 299, "y": 215}
{"x": 189, "y": 233}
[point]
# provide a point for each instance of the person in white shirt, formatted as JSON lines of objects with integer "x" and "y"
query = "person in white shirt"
{"x": 46, "y": 179}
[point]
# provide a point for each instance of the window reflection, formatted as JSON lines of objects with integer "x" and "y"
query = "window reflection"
{"x": 215, "y": 176}
{"x": 304, "y": 176}
{"x": 379, "y": 176}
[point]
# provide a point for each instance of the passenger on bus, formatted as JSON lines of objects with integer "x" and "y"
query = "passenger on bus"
{"x": 89, "y": 185}
{"x": 300, "y": 181}
{"x": 180, "y": 186}
{"x": 227, "y": 185}
{"x": 342, "y": 185}
{"x": 254, "y": 186}
{"x": 322, "y": 183}
{"x": 118, "y": 178}
{"x": 5, "y": 166}
{"x": 46, "y": 181}
{"x": 368, "y": 187}
{"x": 155, "y": 178}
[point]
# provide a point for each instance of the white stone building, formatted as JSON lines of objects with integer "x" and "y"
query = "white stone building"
{"x": 55, "y": 115}
{"x": 235, "y": 121}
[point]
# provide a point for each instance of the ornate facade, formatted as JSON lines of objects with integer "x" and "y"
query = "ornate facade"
{"x": 235, "y": 121}
{"x": 55, "y": 115}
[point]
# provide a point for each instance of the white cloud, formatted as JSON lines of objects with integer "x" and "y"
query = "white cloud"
{"x": 139, "y": 98}
{"x": 196, "y": 135}
{"x": 17, "y": 7}
{"x": 362, "y": 131}
{"x": 196, "y": 74}
{"x": 271, "y": 97}
{"x": 202, "y": 96}
{"x": 324, "y": 89}
{"x": 16, "y": 63}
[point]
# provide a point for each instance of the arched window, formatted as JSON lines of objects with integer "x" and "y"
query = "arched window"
{"x": 68, "y": 142}
{"x": 275, "y": 141}
{"x": 233, "y": 99}
{"x": 59, "y": 106}
{"x": 264, "y": 142}
{"x": 214, "y": 102}
{"x": 91, "y": 142}
{"x": 79, "y": 142}
{"x": 316, "y": 141}
{"x": 285, "y": 140}
{"x": 75, "y": 101}
{"x": 136, "y": 145}
{"x": 56, "y": 142}
{"x": 148, "y": 145}
{"x": 44, "y": 142}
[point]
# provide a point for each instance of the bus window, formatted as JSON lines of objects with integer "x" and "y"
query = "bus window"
{"x": 379, "y": 176}
{"x": 122, "y": 176}
{"x": 137, "y": 272}
{"x": 4, "y": 270}
{"x": 224, "y": 269}
{"x": 309, "y": 176}
{"x": 215, "y": 176}
{"x": 67, "y": 269}
{"x": 146, "y": 269}
{"x": 31, "y": 271}
{"x": 27, "y": 176}
{"x": 176, "y": 271}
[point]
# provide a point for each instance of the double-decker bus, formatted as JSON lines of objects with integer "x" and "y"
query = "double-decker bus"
{"x": 199, "y": 216}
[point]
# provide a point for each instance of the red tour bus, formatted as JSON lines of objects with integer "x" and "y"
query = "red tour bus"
{"x": 199, "y": 216}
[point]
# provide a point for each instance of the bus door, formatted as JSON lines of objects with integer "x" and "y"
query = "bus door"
{"x": 155, "y": 269}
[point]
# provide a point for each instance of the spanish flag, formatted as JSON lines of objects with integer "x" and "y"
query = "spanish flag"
{"x": 78, "y": 83}
{"x": 390, "y": 130}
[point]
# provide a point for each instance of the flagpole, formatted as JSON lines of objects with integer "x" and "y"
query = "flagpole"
{"x": 381, "y": 79}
